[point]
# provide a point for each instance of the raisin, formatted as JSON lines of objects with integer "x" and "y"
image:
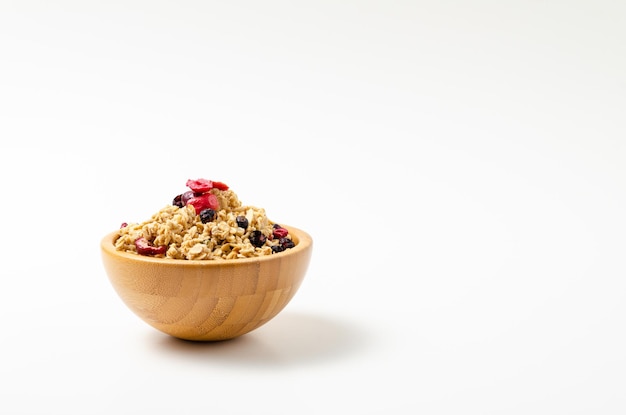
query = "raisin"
{"x": 257, "y": 238}
{"x": 278, "y": 248}
{"x": 286, "y": 243}
{"x": 178, "y": 201}
{"x": 207, "y": 215}
{"x": 185, "y": 197}
{"x": 242, "y": 222}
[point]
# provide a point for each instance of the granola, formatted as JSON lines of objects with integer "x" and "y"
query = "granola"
{"x": 208, "y": 222}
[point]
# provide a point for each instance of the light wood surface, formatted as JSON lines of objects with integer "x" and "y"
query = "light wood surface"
{"x": 207, "y": 300}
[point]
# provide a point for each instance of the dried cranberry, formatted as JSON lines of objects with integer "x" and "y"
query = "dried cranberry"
{"x": 204, "y": 185}
{"x": 205, "y": 201}
{"x": 200, "y": 185}
{"x": 280, "y": 232}
{"x": 145, "y": 248}
{"x": 220, "y": 186}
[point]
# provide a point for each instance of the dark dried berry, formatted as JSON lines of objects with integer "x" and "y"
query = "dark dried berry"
{"x": 207, "y": 215}
{"x": 257, "y": 238}
{"x": 178, "y": 201}
{"x": 286, "y": 243}
{"x": 185, "y": 197}
{"x": 242, "y": 222}
{"x": 276, "y": 225}
{"x": 278, "y": 248}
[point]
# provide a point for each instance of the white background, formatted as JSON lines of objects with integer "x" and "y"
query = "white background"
{"x": 460, "y": 166}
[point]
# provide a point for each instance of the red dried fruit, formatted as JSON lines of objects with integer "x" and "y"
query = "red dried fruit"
{"x": 280, "y": 232}
{"x": 204, "y": 201}
{"x": 145, "y": 248}
{"x": 220, "y": 186}
{"x": 200, "y": 185}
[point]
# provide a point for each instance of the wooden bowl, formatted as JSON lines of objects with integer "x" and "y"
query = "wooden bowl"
{"x": 207, "y": 300}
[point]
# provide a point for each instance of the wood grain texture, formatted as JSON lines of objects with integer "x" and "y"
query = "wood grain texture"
{"x": 207, "y": 300}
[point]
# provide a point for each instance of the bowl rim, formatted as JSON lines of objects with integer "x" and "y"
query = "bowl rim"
{"x": 303, "y": 242}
